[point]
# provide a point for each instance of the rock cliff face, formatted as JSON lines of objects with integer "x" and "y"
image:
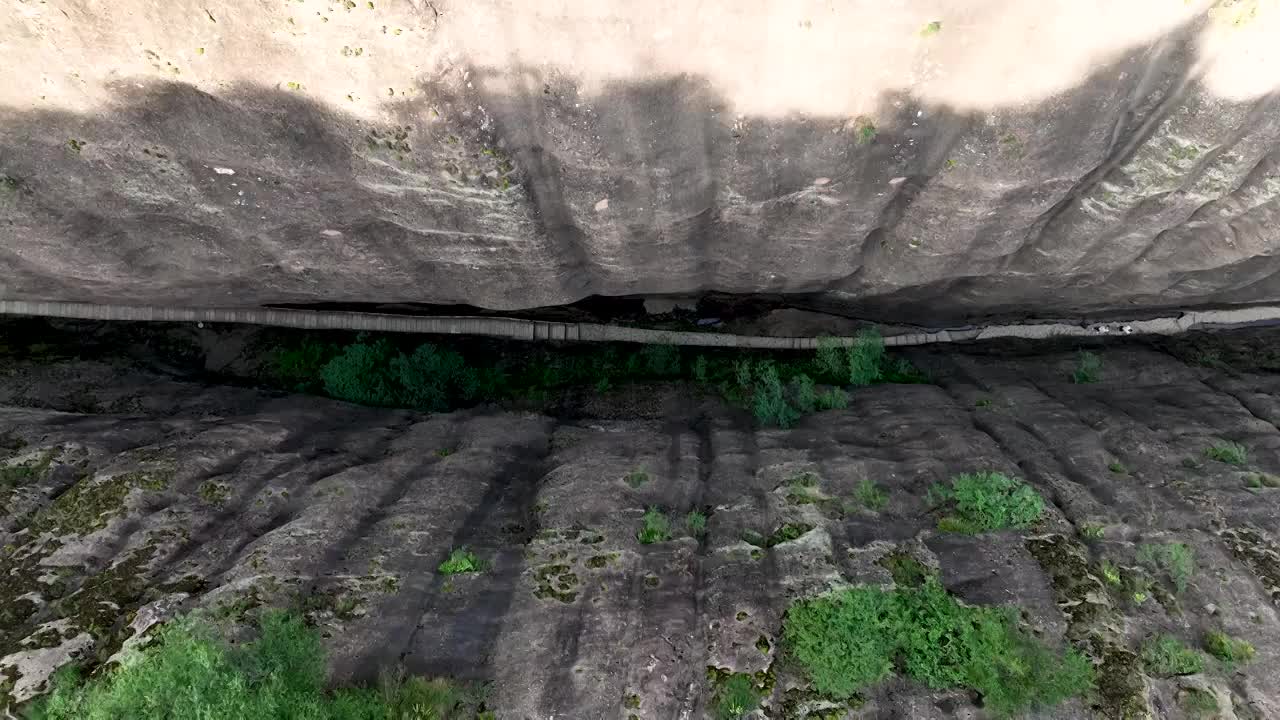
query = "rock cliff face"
{"x": 925, "y": 162}
{"x": 129, "y": 495}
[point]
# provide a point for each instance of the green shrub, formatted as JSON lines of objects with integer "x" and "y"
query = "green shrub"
{"x": 655, "y": 527}
{"x": 661, "y": 361}
{"x": 362, "y": 374}
{"x": 189, "y": 672}
{"x": 1088, "y": 368}
{"x": 805, "y": 394}
{"x": 829, "y": 360}
{"x": 1118, "y": 468}
{"x": 434, "y": 379}
{"x": 1228, "y": 649}
{"x": 851, "y": 639}
{"x": 984, "y": 501}
{"x": 1165, "y": 656}
{"x": 864, "y": 358}
{"x": 637, "y": 478}
{"x": 833, "y": 399}
{"x": 461, "y": 560}
{"x": 299, "y": 367}
{"x": 1174, "y": 559}
{"x": 700, "y": 370}
{"x": 769, "y": 402}
{"x": 736, "y": 696}
{"x": 1228, "y": 452}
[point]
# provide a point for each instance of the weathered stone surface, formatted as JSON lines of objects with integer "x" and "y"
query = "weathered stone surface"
{"x": 239, "y": 498}
{"x": 1038, "y": 157}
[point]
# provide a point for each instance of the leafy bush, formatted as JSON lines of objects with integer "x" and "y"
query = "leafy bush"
{"x": 1165, "y": 656}
{"x": 434, "y": 379}
{"x": 362, "y": 374}
{"x": 1228, "y": 649}
{"x": 1228, "y": 452}
{"x": 461, "y": 560}
{"x": 850, "y": 639}
{"x": 778, "y": 388}
{"x": 188, "y": 672}
{"x": 299, "y": 367}
{"x": 655, "y": 527}
{"x": 769, "y": 402}
{"x": 864, "y": 358}
{"x": 833, "y": 399}
{"x": 1175, "y": 559}
{"x": 736, "y": 696}
{"x": 1088, "y": 368}
{"x": 660, "y": 360}
{"x": 805, "y": 394}
{"x": 985, "y": 501}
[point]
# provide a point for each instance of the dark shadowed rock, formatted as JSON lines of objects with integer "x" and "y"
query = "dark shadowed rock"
{"x": 512, "y": 156}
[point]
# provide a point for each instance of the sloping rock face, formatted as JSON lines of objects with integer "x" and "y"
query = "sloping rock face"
{"x": 142, "y": 495}
{"x": 923, "y": 162}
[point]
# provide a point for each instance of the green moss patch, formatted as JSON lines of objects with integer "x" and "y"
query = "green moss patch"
{"x": 93, "y": 501}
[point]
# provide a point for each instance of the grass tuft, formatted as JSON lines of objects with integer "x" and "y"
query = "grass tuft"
{"x": 655, "y": 527}
{"x": 696, "y": 521}
{"x": 1166, "y": 656}
{"x": 736, "y": 696}
{"x": 870, "y": 495}
{"x": 1175, "y": 559}
{"x": 1228, "y": 452}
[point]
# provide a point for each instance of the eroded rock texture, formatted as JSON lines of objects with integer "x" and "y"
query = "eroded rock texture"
{"x": 143, "y": 495}
{"x": 1014, "y": 158}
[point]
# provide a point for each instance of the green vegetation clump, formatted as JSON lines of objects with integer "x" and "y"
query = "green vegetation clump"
{"x": 1174, "y": 559}
{"x": 1198, "y": 703}
{"x": 1165, "y": 656}
{"x": 778, "y": 388}
{"x": 189, "y": 672}
{"x": 696, "y": 521}
{"x": 655, "y": 527}
{"x": 736, "y": 696}
{"x": 1088, "y": 368}
{"x": 1228, "y": 452}
{"x": 786, "y": 533}
{"x": 461, "y": 560}
{"x": 1118, "y": 468}
{"x": 1228, "y": 649}
{"x": 851, "y": 639}
{"x": 906, "y": 570}
{"x": 985, "y": 501}
{"x": 1259, "y": 481}
{"x": 870, "y": 495}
